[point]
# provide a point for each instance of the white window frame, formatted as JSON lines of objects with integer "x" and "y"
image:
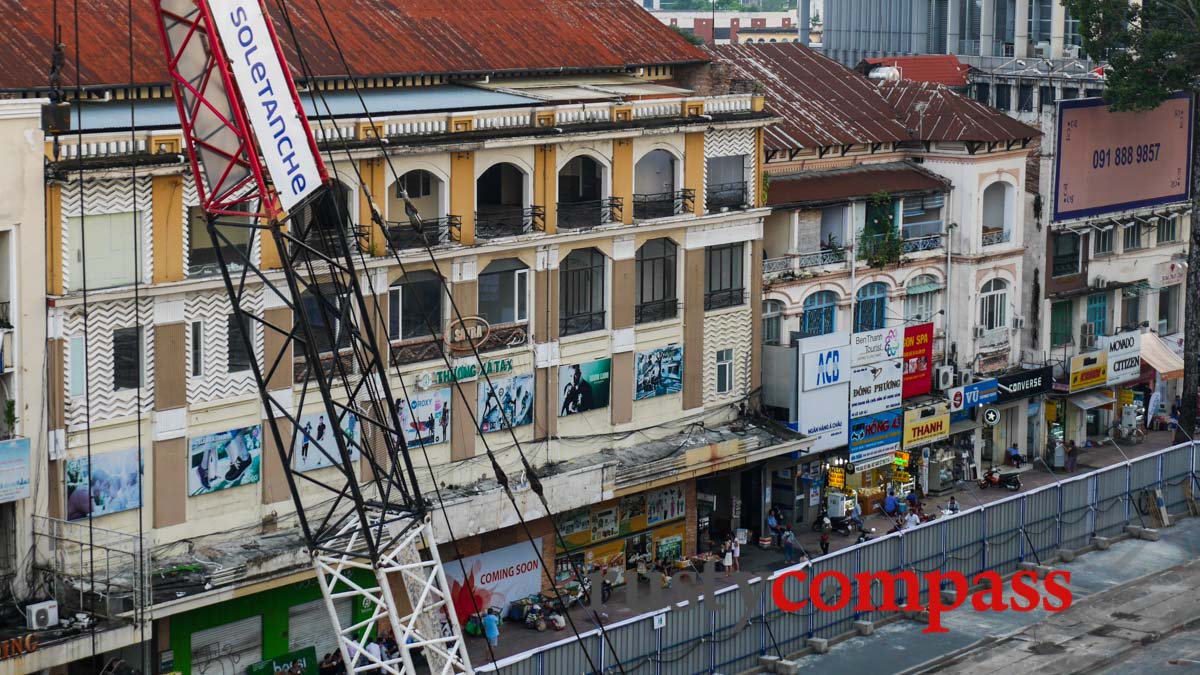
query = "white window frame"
{"x": 197, "y": 351}
{"x": 1110, "y": 234}
{"x": 724, "y": 359}
{"x": 521, "y": 295}
{"x": 993, "y": 306}
{"x": 1136, "y": 228}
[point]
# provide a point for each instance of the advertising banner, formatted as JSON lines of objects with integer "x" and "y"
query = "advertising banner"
{"x": 926, "y": 425}
{"x": 876, "y": 388}
{"x": 1089, "y": 370}
{"x": 822, "y": 410}
{"x": 1110, "y": 161}
{"x": 1025, "y": 384}
{"x": 658, "y": 372}
{"x": 425, "y": 417}
{"x": 875, "y": 435}
{"x": 664, "y": 504}
{"x": 918, "y": 360}
{"x": 876, "y": 345}
{"x": 509, "y": 402}
{"x": 224, "y": 460}
{"x": 113, "y": 487}
{"x": 314, "y": 447}
{"x": 583, "y": 387}
{"x": 274, "y": 116}
{"x": 14, "y": 469}
{"x": 305, "y": 659}
{"x": 826, "y": 367}
{"x": 495, "y": 578}
{"x": 1124, "y": 356}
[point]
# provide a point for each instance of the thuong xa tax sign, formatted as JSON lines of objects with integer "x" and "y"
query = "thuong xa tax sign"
{"x": 927, "y": 424}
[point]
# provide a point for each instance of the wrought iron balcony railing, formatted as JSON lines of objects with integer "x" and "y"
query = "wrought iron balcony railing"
{"x": 663, "y": 204}
{"x": 730, "y": 297}
{"x": 929, "y": 243}
{"x": 402, "y": 235}
{"x": 993, "y": 237}
{"x": 580, "y": 323}
{"x": 589, "y": 214}
{"x": 656, "y": 310}
{"x": 510, "y": 222}
{"x": 726, "y": 196}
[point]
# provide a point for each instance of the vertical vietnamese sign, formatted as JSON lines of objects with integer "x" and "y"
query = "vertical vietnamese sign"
{"x": 275, "y": 117}
{"x": 918, "y": 360}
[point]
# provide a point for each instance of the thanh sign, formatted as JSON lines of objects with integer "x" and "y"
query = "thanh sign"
{"x": 275, "y": 117}
{"x": 1089, "y": 370}
{"x": 928, "y": 424}
{"x": 1124, "y": 356}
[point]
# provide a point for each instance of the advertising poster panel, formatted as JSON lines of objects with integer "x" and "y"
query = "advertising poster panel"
{"x": 658, "y": 372}
{"x": 509, "y": 402}
{"x": 113, "y": 487}
{"x": 495, "y": 578}
{"x": 314, "y": 447}
{"x": 918, "y": 360}
{"x": 224, "y": 460}
{"x": 14, "y": 469}
{"x": 583, "y": 386}
{"x": 426, "y": 417}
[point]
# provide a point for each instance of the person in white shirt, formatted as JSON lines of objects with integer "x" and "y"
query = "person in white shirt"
{"x": 911, "y": 520}
{"x": 737, "y": 555}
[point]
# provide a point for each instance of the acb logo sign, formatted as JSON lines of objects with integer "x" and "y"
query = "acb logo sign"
{"x": 829, "y": 368}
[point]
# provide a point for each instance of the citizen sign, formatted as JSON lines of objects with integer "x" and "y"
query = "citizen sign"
{"x": 1124, "y": 356}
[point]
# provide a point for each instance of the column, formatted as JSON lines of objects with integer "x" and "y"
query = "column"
{"x": 953, "y": 18}
{"x": 166, "y": 206}
{"x": 693, "y": 168}
{"x": 756, "y": 258}
{"x": 622, "y": 177}
{"x": 624, "y": 337}
{"x": 375, "y": 180}
{"x": 1021, "y": 32}
{"x": 170, "y": 411}
{"x": 464, "y": 288}
{"x": 693, "y": 329}
{"x": 1058, "y": 27}
{"x": 545, "y": 183}
{"x": 987, "y": 28}
{"x": 279, "y": 385}
{"x": 545, "y": 335}
{"x": 54, "y": 224}
{"x": 462, "y": 194}
{"x": 56, "y": 424}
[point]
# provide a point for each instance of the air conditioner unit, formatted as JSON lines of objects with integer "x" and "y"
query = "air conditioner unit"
{"x": 41, "y": 615}
{"x": 1087, "y": 336}
{"x": 966, "y": 377}
{"x": 1100, "y": 282}
{"x": 945, "y": 378}
{"x": 1042, "y": 49}
{"x": 1018, "y": 322}
{"x": 980, "y": 331}
{"x": 1071, "y": 51}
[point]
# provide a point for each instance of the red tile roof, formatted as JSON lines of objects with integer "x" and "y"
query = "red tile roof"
{"x": 380, "y": 38}
{"x": 937, "y": 68}
{"x": 821, "y": 101}
{"x": 933, "y": 112}
{"x": 837, "y": 185}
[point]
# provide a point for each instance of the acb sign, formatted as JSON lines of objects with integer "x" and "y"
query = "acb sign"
{"x": 826, "y": 367}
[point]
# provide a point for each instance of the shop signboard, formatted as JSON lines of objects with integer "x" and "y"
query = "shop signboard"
{"x": 901, "y": 476}
{"x": 1124, "y": 356}
{"x": 918, "y": 360}
{"x": 901, "y": 459}
{"x": 495, "y": 578}
{"x": 1025, "y": 384}
{"x": 305, "y": 658}
{"x": 972, "y": 395}
{"x": 875, "y": 435}
{"x": 927, "y": 424}
{"x": 14, "y": 469}
{"x": 876, "y": 345}
{"x": 821, "y": 410}
{"x": 837, "y": 477}
{"x": 876, "y": 387}
{"x": 1089, "y": 370}
{"x": 875, "y": 463}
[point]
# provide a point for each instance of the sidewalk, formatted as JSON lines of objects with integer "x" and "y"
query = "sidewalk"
{"x": 756, "y": 561}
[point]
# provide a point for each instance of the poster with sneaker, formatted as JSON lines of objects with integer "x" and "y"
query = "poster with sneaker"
{"x": 314, "y": 447}
{"x": 224, "y": 460}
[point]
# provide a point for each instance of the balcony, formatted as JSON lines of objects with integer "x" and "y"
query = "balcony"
{"x": 794, "y": 264}
{"x": 580, "y": 323}
{"x": 1065, "y": 266}
{"x": 402, "y": 236}
{"x": 416, "y": 351}
{"x": 496, "y": 223}
{"x": 505, "y": 336}
{"x": 726, "y": 197}
{"x": 993, "y": 338}
{"x": 729, "y": 297}
{"x": 589, "y": 214}
{"x": 994, "y": 236}
{"x": 656, "y": 310}
{"x": 663, "y": 204}
{"x": 928, "y": 243}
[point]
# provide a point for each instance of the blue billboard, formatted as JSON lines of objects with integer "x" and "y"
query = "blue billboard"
{"x": 874, "y": 435}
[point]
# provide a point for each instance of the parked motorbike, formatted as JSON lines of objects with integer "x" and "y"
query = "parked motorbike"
{"x": 993, "y": 477}
{"x": 842, "y": 526}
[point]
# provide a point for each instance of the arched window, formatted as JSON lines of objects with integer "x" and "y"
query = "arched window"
{"x": 993, "y": 305}
{"x": 657, "y": 298}
{"x": 772, "y": 321}
{"x": 820, "y": 314}
{"x": 997, "y": 213}
{"x": 871, "y": 311}
{"x": 415, "y": 306}
{"x": 920, "y": 302}
{"x": 581, "y": 292}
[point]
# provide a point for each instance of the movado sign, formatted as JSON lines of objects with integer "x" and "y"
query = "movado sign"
{"x": 1124, "y": 356}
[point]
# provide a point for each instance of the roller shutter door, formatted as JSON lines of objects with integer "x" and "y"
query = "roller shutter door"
{"x": 309, "y": 626}
{"x": 229, "y": 649}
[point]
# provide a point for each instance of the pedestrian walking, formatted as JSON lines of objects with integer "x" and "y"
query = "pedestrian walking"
{"x": 727, "y": 561}
{"x": 856, "y": 513}
{"x": 825, "y": 530}
{"x": 736, "y": 548}
{"x": 789, "y": 546}
{"x": 491, "y": 628}
{"x": 1072, "y": 457}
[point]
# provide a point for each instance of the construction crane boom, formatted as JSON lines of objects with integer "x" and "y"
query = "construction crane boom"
{"x": 300, "y": 294}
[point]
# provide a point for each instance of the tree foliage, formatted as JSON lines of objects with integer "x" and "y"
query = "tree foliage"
{"x": 1153, "y": 48}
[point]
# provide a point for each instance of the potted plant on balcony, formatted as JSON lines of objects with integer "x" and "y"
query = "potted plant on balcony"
{"x": 879, "y": 244}
{"x": 10, "y": 419}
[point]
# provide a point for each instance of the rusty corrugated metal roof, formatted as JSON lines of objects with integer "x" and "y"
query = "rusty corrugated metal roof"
{"x": 379, "y": 37}
{"x": 939, "y": 68}
{"x": 864, "y": 180}
{"x": 821, "y": 102}
{"x": 933, "y": 112}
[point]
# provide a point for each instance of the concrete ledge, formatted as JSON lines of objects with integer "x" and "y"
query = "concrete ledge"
{"x": 819, "y": 645}
{"x": 1101, "y": 543}
{"x": 1144, "y": 533}
{"x": 788, "y": 668}
{"x": 1066, "y": 555}
{"x": 769, "y": 664}
{"x": 864, "y": 627}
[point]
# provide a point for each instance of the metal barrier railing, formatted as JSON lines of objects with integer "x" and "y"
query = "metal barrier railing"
{"x": 995, "y": 536}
